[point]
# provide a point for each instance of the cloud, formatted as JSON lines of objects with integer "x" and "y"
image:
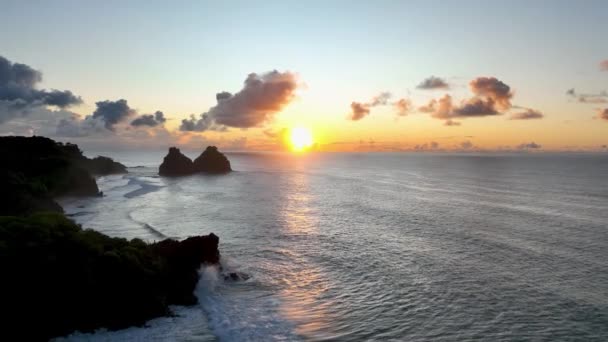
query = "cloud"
{"x": 433, "y": 145}
{"x": 528, "y": 114}
{"x": 261, "y": 98}
{"x": 451, "y": 123}
{"x": 491, "y": 97}
{"x": 433, "y": 83}
{"x": 380, "y": 99}
{"x": 77, "y": 127}
{"x": 601, "y": 97}
{"x": 494, "y": 89}
{"x": 530, "y": 145}
{"x": 476, "y": 107}
{"x": 152, "y": 120}
{"x": 466, "y": 145}
{"x": 204, "y": 122}
{"x": 604, "y": 65}
{"x": 429, "y": 107}
{"x": 18, "y": 93}
{"x": 360, "y": 110}
{"x": 402, "y": 106}
{"x": 112, "y": 112}
{"x": 603, "y": 114}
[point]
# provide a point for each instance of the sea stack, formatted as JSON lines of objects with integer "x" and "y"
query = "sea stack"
{"x": 212, "y": 161}
{"x": 176, "y": 164}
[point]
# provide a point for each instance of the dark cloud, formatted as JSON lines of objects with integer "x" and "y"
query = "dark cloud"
{"x": 601, "y": 97}
{"x": 603, "y": 114}
{"x": 604, "y": 65}
{"x": 433, "y": 83}
{"x": 112, "y": 112}
{"x": 359, "y": 110}
{"x": 476, "y": 107}
{"x": 494, "y": 89}
{"x": 77, "y": 127}
{"x": 527, "y": 114}
{"x": 261, "y": 98}
{"x": 402, "y": 106}
{"x": 466, "y": 145}
{"x": 433, "y": 145}
{"x": 152, "y": 120}
{"x": 204, "y": 122}
{"x": 530, "y": 145}
{"x": 491, "y": 97}
{"x": 18, "y": 93}
{"x": 222, "y": 96}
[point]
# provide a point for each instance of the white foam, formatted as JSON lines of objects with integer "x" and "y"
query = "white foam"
{"x": 241, "y": 311}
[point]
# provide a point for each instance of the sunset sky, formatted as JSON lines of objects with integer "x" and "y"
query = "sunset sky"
{"x": 360, "y": 75}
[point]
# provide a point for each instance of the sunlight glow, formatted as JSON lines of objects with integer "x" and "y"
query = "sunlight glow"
{"x": 300, "y": 138}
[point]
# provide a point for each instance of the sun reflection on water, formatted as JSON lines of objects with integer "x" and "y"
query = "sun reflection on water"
{"x": 306, "y": 283}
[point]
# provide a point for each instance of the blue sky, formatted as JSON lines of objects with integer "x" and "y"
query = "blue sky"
{"x": 176, "y": 56}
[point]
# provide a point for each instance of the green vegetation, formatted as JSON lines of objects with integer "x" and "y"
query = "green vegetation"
{"x": 57, "y": 278}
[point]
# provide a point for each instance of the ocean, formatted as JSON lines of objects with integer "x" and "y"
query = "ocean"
{"x": 376, "y": 246}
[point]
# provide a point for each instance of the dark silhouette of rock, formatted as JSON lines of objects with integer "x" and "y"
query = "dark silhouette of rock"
{"x": 176, "y": 164}
{"x": 236, "y": 276}
{"x": 101, "y": 165}
{"x": 58, "y": 278}
{"x": 212, "y": 161}
{"x": 34, "y": 170}
{"x": 184, "y": 258}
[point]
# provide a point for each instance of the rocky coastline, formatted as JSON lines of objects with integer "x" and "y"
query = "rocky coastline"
{"x": 57, "y": 277}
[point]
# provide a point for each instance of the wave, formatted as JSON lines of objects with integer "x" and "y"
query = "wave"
{"x": 241, "y": 311}
{"x": 144, "y": 188}
{"x": 149, "y": 228}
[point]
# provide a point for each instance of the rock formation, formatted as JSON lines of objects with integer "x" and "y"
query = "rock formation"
{"x": 210, "y": 161}
{"x": 176, "y": 164}
{"x": 101, "y": 165}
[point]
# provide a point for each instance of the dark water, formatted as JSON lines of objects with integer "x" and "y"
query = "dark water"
{"x": 410, "y": 247}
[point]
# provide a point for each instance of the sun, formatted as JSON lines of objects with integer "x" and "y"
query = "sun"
{"x": 300, "y": 138}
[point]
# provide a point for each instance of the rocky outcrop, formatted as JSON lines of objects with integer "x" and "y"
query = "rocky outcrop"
{"x": 33, "y": 170}
{"x": 212, "y": 161}
{"x": 176, "y": 163}
{"x": 101, "y": 165}
{"x": 58, "y": 278}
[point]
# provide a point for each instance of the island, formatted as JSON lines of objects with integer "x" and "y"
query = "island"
{"x": 211, "y": 161}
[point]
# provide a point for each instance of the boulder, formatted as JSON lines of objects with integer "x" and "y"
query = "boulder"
{"x": 176, "y": 164}
{"x": 212, "y": 161}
